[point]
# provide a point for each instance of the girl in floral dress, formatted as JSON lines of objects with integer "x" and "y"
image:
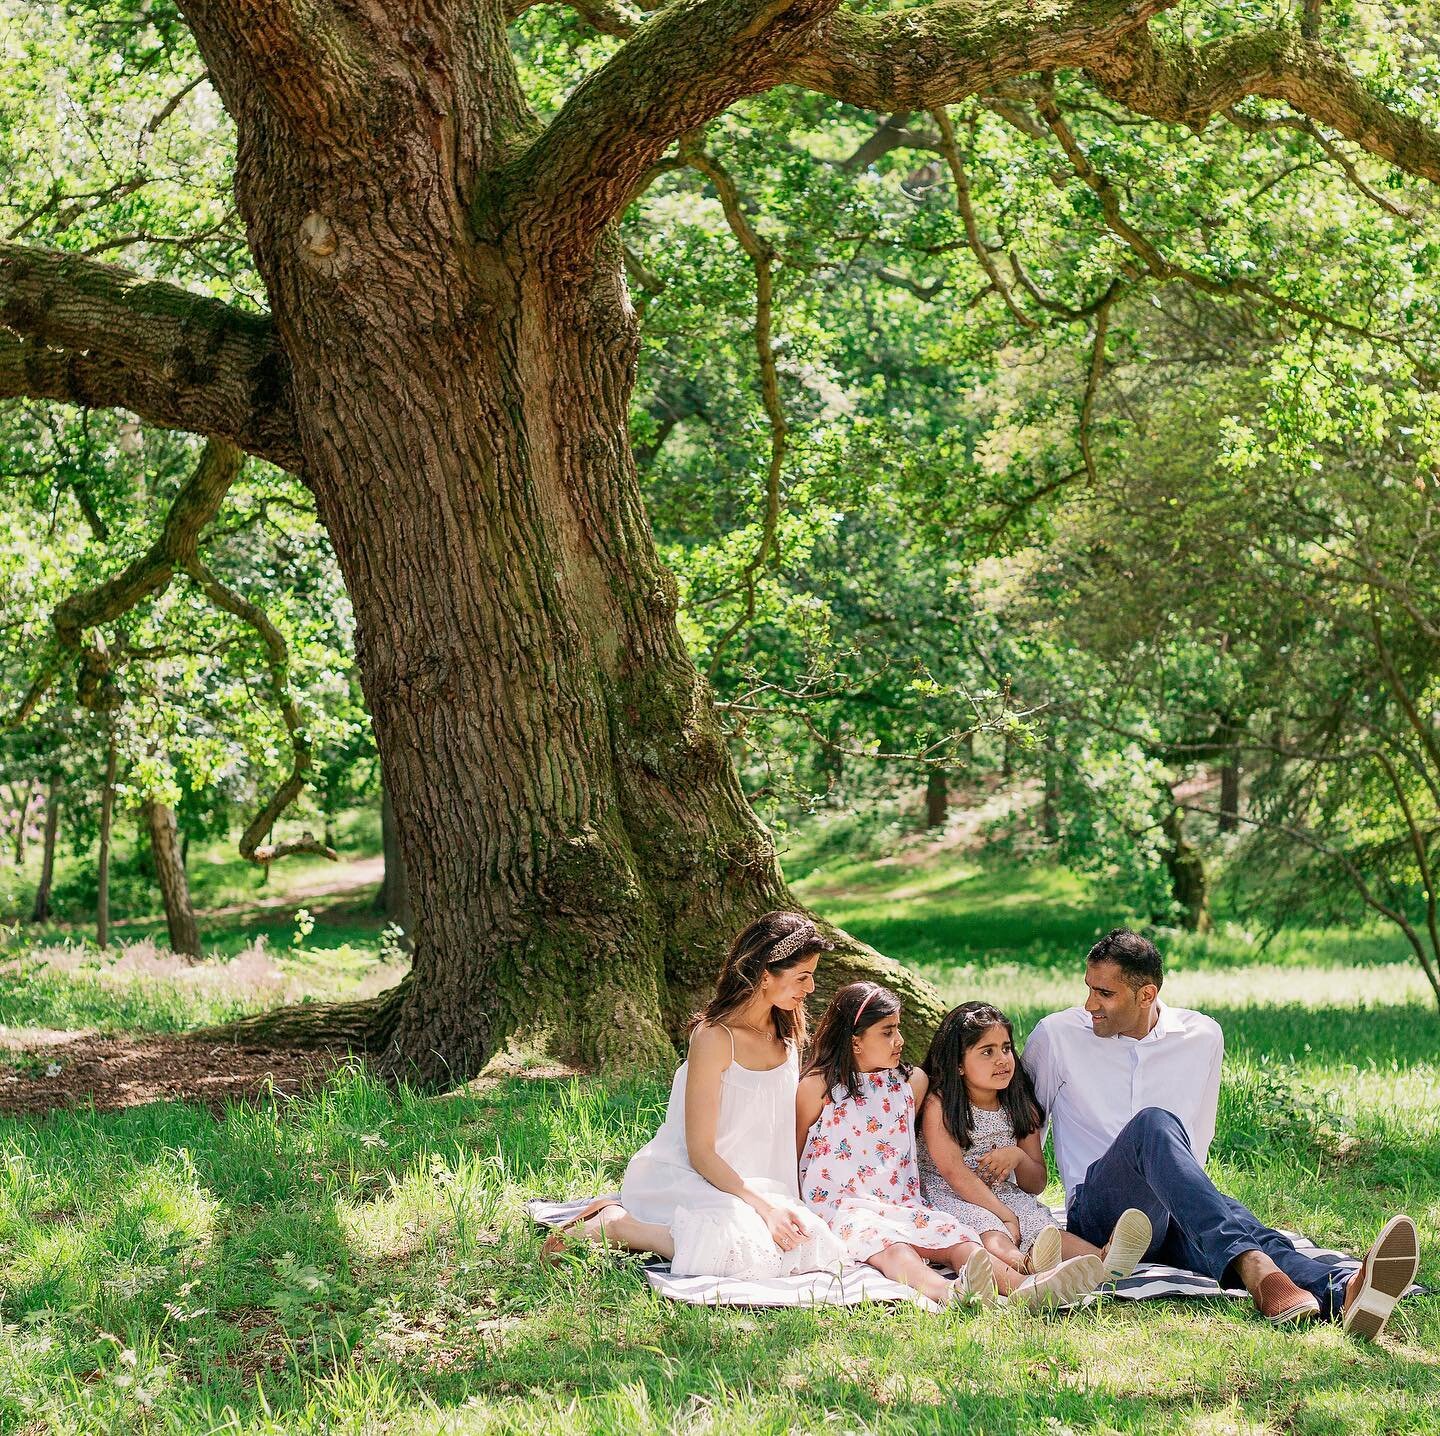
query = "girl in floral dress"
{"x": 855, "y": 1131}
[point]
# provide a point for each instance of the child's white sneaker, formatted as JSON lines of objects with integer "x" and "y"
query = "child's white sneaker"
{"x": 1071, "y": 1279}
{"x": 1044, "y": 1251}
{"x": 977, "y": 1280}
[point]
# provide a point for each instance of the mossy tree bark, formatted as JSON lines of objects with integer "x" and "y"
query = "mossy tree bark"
{"x": 448, "y": 363}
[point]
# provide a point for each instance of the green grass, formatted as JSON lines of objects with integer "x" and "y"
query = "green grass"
{"x": 359, "y": 1260}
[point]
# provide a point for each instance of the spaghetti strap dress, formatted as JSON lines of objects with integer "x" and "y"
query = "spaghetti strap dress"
{"x": 716, "y": 1234}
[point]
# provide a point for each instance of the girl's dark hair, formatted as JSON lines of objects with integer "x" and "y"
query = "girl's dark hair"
{"x": 958, "y": 1032}
{"x": 854, "y": 1009}
{"x": 772, "y": 943}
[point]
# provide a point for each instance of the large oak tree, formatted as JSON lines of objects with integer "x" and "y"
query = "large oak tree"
{"x": 448, "y": 361}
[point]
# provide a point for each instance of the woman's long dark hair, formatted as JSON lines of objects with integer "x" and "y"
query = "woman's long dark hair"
{"x": 854, "y": 1009}
{"x": 772, "y": 943}
{"x": 958, "y": 1032}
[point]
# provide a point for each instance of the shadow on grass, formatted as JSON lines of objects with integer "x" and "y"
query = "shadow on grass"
{"x": 305, "y": 1235}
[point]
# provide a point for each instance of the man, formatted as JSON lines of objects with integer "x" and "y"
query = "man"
{"x": 1129, "y": 1086}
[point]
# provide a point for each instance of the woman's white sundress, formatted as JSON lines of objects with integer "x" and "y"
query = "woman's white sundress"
{"x": 858, "y": 1171}
{"x": 988, "y": 1130}
{"x": 716, "y": 1234}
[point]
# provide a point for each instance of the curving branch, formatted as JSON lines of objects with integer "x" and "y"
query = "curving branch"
{"x": 94, "y": 334}
{"x": 761, "y": 254}
{"x": 681, "y": 68}
{"x": 195, "y": 506}
{"x": 951, "y": 151}
{"x": 277, "y": 657}
{"x": 1189, "y": 85}
{"x": 941, "y": 53}
{"x": 178, "y": 548}
{"x": 1159, "y": 267}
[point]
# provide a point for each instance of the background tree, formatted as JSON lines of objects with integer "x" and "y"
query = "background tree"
{"x": 448, "y": 356}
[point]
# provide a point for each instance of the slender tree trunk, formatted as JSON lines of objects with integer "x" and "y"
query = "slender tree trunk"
{"x": 22, "y": 816}
{"x": 577, "y": 846}
{"x": 107, "y": 820}
{"x": 41, "y": 911}
{"x": 393, "y": 899}
{"x": 937, "y": 797}
{"x": 1189, "y": 885}
{"x": 170, "y": 873}
{"x": 1050, "y": 797}
{"x": 1229, "y": 819}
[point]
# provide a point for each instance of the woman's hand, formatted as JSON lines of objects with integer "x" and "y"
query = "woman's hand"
{"x": 1012, "y": 1225}
{"x": 998, "y": 1163}
{"x": 785, "y": 1228}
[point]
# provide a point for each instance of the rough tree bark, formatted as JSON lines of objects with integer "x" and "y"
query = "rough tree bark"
{"x": 393, "y": 899}
{"x": 448, "y": 364}
{"x": 40, "y": 912}
{"x": 159, "y": 819}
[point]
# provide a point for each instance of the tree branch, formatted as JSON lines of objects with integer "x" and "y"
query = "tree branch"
{"x": 307, "y": 55}
{"x": 681, "y": 68}
{"x": 195, "y": 505}
{"x": 762, "y": 257}
{"x": 941, "y": 53}
{"x": 1189, "y": 85}
{"x": 93, "y": 334}
{"x": 277, "y": 658}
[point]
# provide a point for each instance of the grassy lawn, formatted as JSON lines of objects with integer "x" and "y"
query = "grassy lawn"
{"x": 358, "y": 1260}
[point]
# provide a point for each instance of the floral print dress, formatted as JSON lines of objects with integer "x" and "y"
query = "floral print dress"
{"x": 858, "y": 1171}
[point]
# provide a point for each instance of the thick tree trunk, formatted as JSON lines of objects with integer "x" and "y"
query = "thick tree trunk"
{"x": 577, "y": 846}
{"x": 937, "y": 797}
{"x": 393, "y": 899}
{"x": 107, "y": 823}
{"x": 41, "y": 911}
{"x": 1189, "y": 885}
{"x": 170, "y": 873}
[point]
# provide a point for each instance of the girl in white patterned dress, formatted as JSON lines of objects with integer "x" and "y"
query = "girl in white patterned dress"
{"x": 714, "y": 1191}
{"x": 980, "y": 1135}
{"x": 855, "y": 1131}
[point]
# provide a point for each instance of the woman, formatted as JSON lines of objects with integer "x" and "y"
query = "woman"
{"x": 716, "y": 1190}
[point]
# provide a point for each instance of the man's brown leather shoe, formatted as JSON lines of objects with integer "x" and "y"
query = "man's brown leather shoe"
{"x": 1278, "y": 1299}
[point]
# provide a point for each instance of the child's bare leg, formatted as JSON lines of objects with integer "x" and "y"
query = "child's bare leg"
{"x": 1073, "y": 1246}
{"x": 904, "y": 1264}
{"x": 1002, "y": 1248}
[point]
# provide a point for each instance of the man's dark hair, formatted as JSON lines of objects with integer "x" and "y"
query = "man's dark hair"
{"x": 1137, "y": 957}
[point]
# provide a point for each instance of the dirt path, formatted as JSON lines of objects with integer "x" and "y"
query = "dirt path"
{"x": 44, "y": 1070}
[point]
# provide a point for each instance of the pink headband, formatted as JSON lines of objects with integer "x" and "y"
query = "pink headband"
{"x": 864, "y": 1005}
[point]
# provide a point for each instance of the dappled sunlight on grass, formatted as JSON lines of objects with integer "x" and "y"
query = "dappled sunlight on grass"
{"x": 359, "y": 1260}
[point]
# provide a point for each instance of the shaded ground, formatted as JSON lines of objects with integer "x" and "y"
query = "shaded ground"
{"x": 40, "y": 1071}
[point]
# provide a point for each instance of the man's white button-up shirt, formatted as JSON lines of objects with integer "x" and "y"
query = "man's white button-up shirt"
{"x": 1091, "y": 1086}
